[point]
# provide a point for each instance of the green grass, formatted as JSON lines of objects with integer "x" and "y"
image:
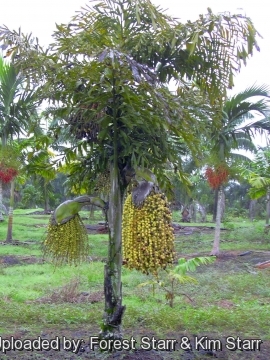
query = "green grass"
{"x": 21, "y": 250}
{"x": 236, "y": 282}
{"x": 240, "y": 238}
{"x": 249, "y": 312}
{"x": 99, "y": 245}
{"x": 26, "y": 227}
{"x": 38, "y": 279}
{"x": 26, "y": 211}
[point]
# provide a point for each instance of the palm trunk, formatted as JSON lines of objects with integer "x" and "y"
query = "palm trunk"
{"x": 252, "y": 209}
{"x": 267, "y": 207}
{"x": 203, "y": 213}
{"x": 215, "y": 249}
{"x": 114, "y": 310}
{"x": 92, "y": 212}
{"x": 1, "y": 201}
{"x": 10, "y": 214}
{"x": 193, "y": 212}
{"x": 215, "y": 205}
{"x": 46, "y": 199}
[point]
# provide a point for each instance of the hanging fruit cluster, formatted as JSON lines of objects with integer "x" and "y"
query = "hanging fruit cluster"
{"x": 218, "y": 176}
{"x": 7, "y": 174}
{"x": 147, "y": 234}
{"x": 66, "y": 243}
{"x": 103, "y": 183}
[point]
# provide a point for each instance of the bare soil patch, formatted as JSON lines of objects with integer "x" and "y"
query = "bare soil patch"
{"x": 179, "y": 229}
{"x": 97, "y": 229}
{"x": 9, "y": 260}
{"x": 49, "y": 212}
{"x": 70, "y": 293}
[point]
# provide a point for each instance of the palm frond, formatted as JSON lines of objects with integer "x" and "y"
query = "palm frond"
{"x": 260, "y": 126}
{"x": 17, "y": 106}
{"x": 250, "y": 92}
{"x": 256, "y": 193}
{"x": 239, "y": 157}
{"x": 259, "y": 181}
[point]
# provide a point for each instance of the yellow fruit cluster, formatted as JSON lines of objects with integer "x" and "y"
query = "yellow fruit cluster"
{"x": 66, "y": 243}
{"x": 103, "y": 185}
{"x": 147, "y": 234}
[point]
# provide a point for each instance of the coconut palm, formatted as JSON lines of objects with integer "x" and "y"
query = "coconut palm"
{"x": 236, "y": 131}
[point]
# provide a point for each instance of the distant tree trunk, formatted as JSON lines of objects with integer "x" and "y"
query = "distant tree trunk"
{"x": 215, "y": 249}
{"x": 267, "y": 207}
{"x": 46, "y": 198}
{"x": 185, "y": 215}
{"x": 114, "y": 310}
{"x": 1, "y": 201}
{"x": 10, "y": 214}
{"x": 202, "y": 212}
{"x": 92, "y": 212}
{"x": 223, "y": 205}
{"x": 193, "y": 211}
{"x": 252, "y": 209}
{"x": 215, "y": 205}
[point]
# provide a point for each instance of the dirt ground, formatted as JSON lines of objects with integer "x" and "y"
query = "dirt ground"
{"x": 101, "y": 228}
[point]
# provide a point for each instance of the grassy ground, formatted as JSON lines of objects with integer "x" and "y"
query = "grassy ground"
{"x": 231, "y": 298}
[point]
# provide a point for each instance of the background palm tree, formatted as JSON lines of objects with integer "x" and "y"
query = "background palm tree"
{"x": 236, "y": 131}
{"x": 257, "y": 173}
{"x": 17, "y": 114}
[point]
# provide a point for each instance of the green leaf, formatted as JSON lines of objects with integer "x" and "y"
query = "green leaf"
{"x": 191, "y": 264}
{"x": 145, "y": 174}
{"x": 183, "y": 279}
{"x": 138, "y": 13}
{"x": 256, "y": 193}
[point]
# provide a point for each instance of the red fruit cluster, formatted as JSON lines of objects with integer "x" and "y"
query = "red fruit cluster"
{"x": 7, "y": 174}
{"x": 217, "y": 177}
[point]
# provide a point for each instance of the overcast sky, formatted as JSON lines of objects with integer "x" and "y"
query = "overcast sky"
{"x": 39, "y": 17}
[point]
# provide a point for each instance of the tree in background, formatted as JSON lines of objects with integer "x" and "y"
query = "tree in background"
{"x": 30, "y": 196}
{"x": 31, "y": 191}
{"x": 257, "y": 173}
{"x": 17, "y": 110}
{"x": 237, "y": 199}
{"x": 109, "y": 71}
{"x": 9, "y": 168}
{"x": 39, "y": 167}
{"x": 235, "y": 133}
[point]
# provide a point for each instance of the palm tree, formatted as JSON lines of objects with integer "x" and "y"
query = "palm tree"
{"x": 40, "y": 168}
{"x": 257, "y": 173}
{"x": 17, "y": 111}
{"x": 109, "y": 73}
{"x": 236, "y": 131}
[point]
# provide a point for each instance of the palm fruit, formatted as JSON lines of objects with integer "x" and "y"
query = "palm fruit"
{"x": 103, "y": 185}
{"x": 148, "y": 237}
{"x": 67, "y": 242}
